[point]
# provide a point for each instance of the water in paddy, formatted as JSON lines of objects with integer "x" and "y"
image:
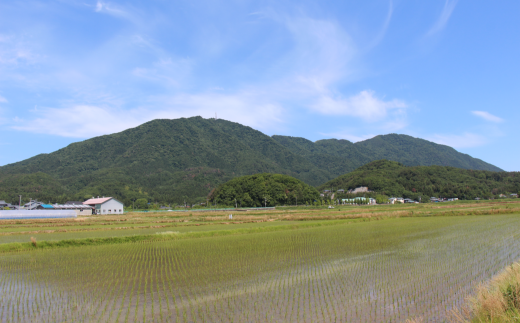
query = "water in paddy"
{"x": 381, "y": 271}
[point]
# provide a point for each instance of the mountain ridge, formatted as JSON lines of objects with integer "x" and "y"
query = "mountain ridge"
{"x": 172, "y": 160}
{"x": 409, "y": 150}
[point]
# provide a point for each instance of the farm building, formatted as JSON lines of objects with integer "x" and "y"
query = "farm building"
{"x": 394, "y": 200}
{"x": 36, "y": 214}
{"x": 33, "y": 205}
{"x": 4, "y": 204}
{"x": 73, "y": 203}
{"x": 359, "y": 200}
{"x": 105, "y": 205}
{"x": 362, "y": 189}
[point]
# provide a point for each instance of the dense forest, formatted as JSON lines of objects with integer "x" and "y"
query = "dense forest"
{"x": 342, "y": 156}
{"x": 395, "y": 179}
{"x": 263, "y": 190}
{"x": 173, "y": 161}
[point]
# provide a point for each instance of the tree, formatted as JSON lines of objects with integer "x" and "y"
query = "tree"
{"x": 247, "y": 200}
{"x": 141, "y": 204}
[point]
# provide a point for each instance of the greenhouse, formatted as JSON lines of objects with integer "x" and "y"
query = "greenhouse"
{"x": 36, "y": 214}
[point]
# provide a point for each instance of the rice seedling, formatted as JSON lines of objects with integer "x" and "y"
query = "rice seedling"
{"x": 407, "y": 268}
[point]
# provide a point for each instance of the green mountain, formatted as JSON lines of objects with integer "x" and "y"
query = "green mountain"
{"x": 170, "y": 161}
{"x": 263, "y": 190}
{"x": 342, "y": 156}
{"x": 395, "y": 179}
{"x": 162, "y": 160}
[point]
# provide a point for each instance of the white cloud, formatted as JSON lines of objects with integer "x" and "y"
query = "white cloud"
{"x": 2, "y": 99}
{"x": 105, "y": 7}
{"x": 466, "y": 140}
{"x": 117, "y": 11}
{"x": 443, "y": 19}
{"x": 246, "y": 108}
{"x": 386, "y": 24}
{"x": 364, "y": 105}
{"x": 487, "y": 116}
{"x": 319, "y": 55}
{"x": 85, "y": 121}
{"x": 323, "y": 52}
{"x": 15, "y": 51}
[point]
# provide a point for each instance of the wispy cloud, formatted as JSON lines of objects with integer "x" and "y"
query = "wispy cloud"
{"x": 364, "y": 105}
{"x": 323, "y": 52}
{"x": 487, "y": 116}
{"x": 2, "y": 99}
{"x": 324, "y": 55}
{"x": 317, "y": 56}
{"x": 17, "y": 51}
{"x": 442, "y": 21}
{"x": 125, "y": 12}
{"x": 380, "y": 36}
{"x": 466, "y": 140}
{"x": 111, "y": 9}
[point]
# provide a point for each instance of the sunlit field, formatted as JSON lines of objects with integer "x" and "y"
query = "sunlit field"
{"x": 380, "y": 267}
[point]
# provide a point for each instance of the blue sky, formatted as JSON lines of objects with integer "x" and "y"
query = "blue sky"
{"x": 444, "y": 70}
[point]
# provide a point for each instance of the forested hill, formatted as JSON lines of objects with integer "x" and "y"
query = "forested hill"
{"x": 163, "y": 160}
{"x": 342, "y": 156}
{"x": 184, "y": 159}
{"x": 264, "y": 190}
{"x": 395, "y": 179}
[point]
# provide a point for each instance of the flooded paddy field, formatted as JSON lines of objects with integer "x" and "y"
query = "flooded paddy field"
{"x": 376, "y": 271}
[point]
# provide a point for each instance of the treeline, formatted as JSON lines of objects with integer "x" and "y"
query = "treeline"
{"x": 394, "y": 179}
{"x": 191, "y": 186}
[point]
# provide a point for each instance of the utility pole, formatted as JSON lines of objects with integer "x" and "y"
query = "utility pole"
{"x": 236, "y": 206}
{"x": 296, "y": 200}
{"x": 20, "y": 203}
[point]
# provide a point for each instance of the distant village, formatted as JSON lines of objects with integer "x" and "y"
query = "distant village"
{"x": 391, "y": 200}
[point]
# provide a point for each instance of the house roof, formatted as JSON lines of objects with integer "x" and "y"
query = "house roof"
{"x": 73, "y": 203}
{"x": 72, "y": 206}
{"x": 47, "y": 206}
{"x": 97, "y": 201}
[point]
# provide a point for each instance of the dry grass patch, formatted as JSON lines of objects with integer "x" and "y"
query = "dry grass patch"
{"x": 496, "y": 301}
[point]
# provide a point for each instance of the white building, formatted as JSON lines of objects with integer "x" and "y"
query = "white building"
{"x": 105, "y": 205}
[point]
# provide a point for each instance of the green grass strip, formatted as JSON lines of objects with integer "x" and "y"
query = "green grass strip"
{"x": 17, "y": 246}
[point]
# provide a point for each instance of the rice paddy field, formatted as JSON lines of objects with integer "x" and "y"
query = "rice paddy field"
{"x": 357, "y": 264}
